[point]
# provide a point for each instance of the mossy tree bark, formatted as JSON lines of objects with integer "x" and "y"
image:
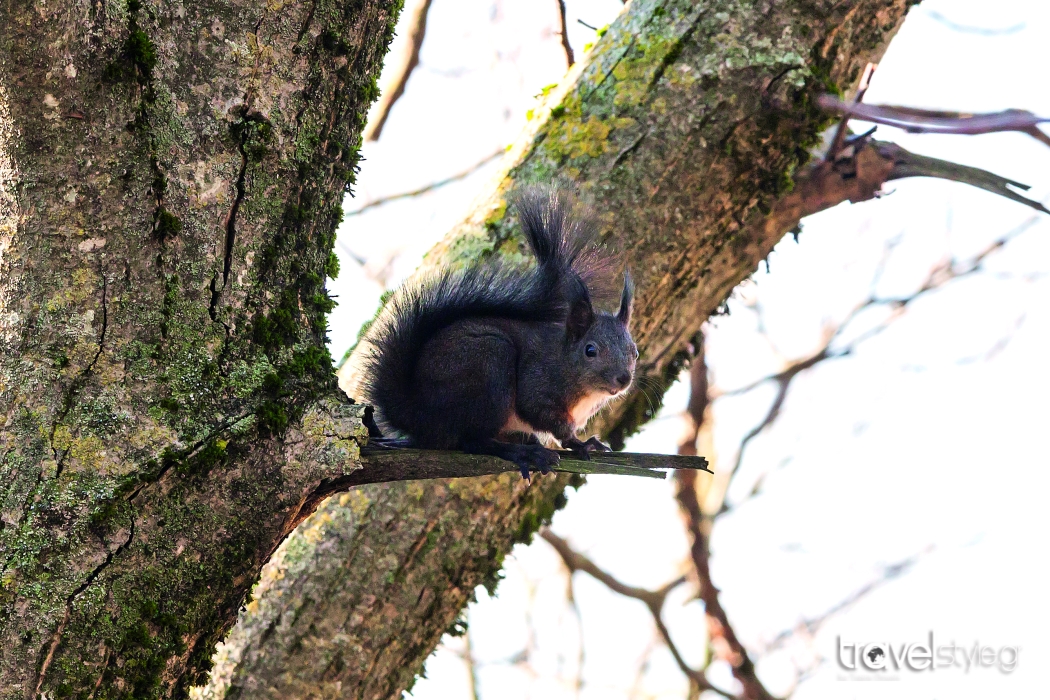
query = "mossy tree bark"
{"x": 171, "y": 177}
{"x": 683, "y": 130}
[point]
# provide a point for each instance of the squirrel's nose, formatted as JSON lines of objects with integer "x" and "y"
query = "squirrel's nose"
{"x": 624, "y": 379}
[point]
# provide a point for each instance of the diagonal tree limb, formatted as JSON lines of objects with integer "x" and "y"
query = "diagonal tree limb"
{"x": 417, "y": 29}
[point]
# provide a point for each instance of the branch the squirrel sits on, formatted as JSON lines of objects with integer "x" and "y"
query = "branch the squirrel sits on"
{"x": 486, "y": 358}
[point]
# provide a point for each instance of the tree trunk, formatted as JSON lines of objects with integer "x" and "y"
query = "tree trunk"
{"x": 170, "y": 181}
{"x": 683, "y": 129}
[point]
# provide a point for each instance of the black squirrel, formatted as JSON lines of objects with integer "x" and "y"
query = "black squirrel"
{"x": 485, "y": 358}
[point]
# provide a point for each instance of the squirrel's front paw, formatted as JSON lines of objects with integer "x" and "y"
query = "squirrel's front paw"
{"x": 595, "y": 445}
{"x": 584, "y": 449}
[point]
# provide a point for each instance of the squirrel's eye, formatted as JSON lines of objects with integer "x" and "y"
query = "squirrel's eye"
{"x": 591, "y": 350}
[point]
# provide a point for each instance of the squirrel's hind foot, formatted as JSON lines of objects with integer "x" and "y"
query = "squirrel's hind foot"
{"x": 527, "y": 457}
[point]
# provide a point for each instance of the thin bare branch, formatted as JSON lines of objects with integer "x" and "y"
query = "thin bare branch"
{"x": 843, "y": 127}
{"x": 968, "y": 29}
{"x": 417, "y": 29}
{"x": 938, "y": 276}
{"x": 379, "y": 201}
{"x": 569, "y": 57}
{"x": 783, "y": 380}
{"x": 654, "y": 600}
{"x": 907, "y": 164}
{"x": 858, "y": 173}
{"x": 810, "y": 625}
{"x": 928, "y": 121}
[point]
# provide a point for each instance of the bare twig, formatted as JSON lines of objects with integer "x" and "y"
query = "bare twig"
{"x": 379, "y": 201}
{"x": 938, "y": 276}
{"x": 569, "y": 57}
{"x": 645, "y": 659}
{"x": 906, "y": 164}
{"x": 967, "y": 29}
{"x": 840, "y": 132}
{"x": 810, "y": 625}
{"x": 699, "y": 524}
{"x": 417, "y": 29}
{"x": 654, "y": 600}
{"x": 858, "y": 173}
{"x": 783, "y": 381}
{"x": 926, "y": 121}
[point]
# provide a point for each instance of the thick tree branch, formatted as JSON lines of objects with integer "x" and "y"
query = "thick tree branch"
{"x": 169, "y": 188}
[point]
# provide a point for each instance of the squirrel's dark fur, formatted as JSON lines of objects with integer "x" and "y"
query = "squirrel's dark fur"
{"x": 484, "y": 358}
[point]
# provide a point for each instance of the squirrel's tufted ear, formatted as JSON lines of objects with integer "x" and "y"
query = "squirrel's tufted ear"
{"x": 626, "y": 299}
{"x": 581, "y": 313}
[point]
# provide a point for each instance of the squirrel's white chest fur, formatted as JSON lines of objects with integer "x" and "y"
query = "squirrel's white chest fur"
{"x": 587, "y": 407}
{"x": 580, "y": 412}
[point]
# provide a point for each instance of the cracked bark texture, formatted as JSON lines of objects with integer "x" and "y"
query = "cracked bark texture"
{"x": 685, "y": 130}
{"x": 171, "y": 177}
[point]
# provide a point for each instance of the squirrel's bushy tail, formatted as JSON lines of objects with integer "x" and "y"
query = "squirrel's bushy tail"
{"x": 421, "y": 308}
{"x": 558, "y": 239}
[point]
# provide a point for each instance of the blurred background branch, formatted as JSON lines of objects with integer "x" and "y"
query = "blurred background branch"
{"x": 415, "y": 22}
